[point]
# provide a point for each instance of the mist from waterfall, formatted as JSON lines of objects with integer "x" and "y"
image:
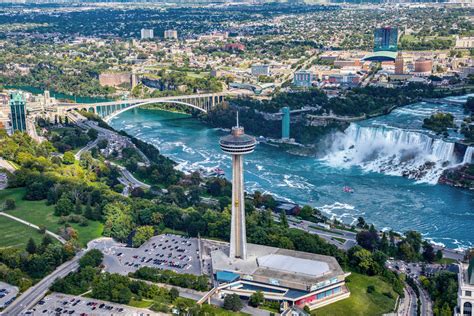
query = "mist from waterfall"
{"x": 392, "y": 151}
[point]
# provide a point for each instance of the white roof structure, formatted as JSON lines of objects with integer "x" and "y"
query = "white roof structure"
{"x": 291, "y": 264}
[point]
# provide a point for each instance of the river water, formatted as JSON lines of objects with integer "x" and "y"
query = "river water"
{"x": 369, "y": 157}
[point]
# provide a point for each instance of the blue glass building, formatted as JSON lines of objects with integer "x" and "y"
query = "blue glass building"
{"x": 18, "y": 112}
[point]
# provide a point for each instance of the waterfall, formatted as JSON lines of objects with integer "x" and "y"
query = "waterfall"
{"x": 392, "y": 151}
{"x": 468, "y": 155}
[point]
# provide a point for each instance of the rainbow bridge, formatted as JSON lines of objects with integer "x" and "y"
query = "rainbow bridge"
{"x": 108, "y": 110}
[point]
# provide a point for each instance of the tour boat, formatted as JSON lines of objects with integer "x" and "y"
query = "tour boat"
{"x": 348, "y": 189}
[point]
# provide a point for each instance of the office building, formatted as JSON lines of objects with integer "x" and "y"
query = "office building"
{"x": 466, "y": 289}
{"x": 18, "y": 112}
{"x": 260, "y": 70}
{"x": 146, "y": 34}
{"x": 171, "y": 34}
{"x": 285, "y": 123}
{"x": 303, "y": 78}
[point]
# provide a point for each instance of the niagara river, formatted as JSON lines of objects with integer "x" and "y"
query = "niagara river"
{"x": 382, "y": 159}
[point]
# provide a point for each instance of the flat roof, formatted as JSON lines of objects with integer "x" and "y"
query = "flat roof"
{"x": 270, "y": 265}
{"x": 293, "y": 264}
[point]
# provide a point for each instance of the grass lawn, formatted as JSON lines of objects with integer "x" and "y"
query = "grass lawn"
{"x": 360, "y": 302}
{"x": 140, "y": 304}
{"x": 38, "y": 213}
{"x": 15, "y": 234}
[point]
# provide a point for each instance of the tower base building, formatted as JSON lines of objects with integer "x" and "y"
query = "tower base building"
{"x": 293, "y": 278}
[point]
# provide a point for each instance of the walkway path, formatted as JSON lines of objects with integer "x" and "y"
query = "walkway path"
{"x": 59, "y": 238}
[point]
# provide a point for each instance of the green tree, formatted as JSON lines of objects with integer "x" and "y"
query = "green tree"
{"x": 233, "y": 303}
{"x": 31, "y": 246}
{"x": 92, "y": 258}
{"x": 68, "y": 158}
{"x": 64, "y": 206}
{"x": 283, "y": 219}
{"x": 306, "y": 212}
{"x": 256, "y": 299}
{"x": 174, "y": 293}
{"x": 9, "y": 204}
{"x": 142, "y": 234}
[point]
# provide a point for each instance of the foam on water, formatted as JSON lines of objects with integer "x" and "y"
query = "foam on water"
{"x": 392, "y": 151}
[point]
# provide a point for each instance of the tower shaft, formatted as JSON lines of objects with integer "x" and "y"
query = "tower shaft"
{"x": 238, "y": 237}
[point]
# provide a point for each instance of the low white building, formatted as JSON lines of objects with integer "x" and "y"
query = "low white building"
{"x": 466, "y": 290}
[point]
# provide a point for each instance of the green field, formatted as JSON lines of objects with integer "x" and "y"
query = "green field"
{"x": 16, "y": 234}
{"x": 38, "y": 213}
{"x": 360, "y": 302}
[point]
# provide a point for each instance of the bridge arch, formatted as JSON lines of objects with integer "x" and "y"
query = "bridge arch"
{"x": 107, "y": 118}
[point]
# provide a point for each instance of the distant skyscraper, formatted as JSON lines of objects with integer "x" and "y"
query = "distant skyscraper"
{"x": 18, "y": 112}
{"x": 285, "y": 123}
{"x": 238, "y": 144}
{"x": 146, "y": 34}
{"x": 399, "y": 64}
{"x": 171, "y": 34}
{"x": 386, "y": 39}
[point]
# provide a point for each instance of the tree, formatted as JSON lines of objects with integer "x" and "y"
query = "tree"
{"x": 68, "y": 158}
{"x": 439, "y": 255}
{"x": 368, "y": 239}
{"x": 64, "y": 206}
{"x": 256, "y": 299}
{"x": 10, "y": 204}
{"x": 283, "y": 219}
{"x": 233, "y": 303}
{"x": 142, "y": 234}
{"x": 31, "y": 246}
{"x": 428, "y": 252}
{"x": 174, "y": 293}
{"x": 306, "y": 212}
{"x": 92, "y": 258}
{"x": 361, "y": 223}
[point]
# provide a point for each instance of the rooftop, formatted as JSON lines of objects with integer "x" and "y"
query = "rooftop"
{"x": 381, "y": 56}
{"x": 290, "y": 268}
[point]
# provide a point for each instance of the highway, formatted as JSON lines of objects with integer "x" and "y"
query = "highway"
{"x": 36, "y": 292}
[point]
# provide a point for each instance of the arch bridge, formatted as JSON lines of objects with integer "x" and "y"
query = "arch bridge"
{"x": 108, "y": 110}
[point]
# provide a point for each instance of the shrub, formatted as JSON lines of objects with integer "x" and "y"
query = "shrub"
{"x": 9, "y": 204}
{"x": 370, "y": 289}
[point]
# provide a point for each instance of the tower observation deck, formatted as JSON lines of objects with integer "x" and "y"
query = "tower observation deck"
{"x": 238, "y": 144}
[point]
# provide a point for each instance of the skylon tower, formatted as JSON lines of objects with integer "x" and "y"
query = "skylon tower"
{"x": 238, "y": 144}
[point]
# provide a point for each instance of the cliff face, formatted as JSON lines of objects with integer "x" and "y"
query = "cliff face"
{"x": 461, "y": 177}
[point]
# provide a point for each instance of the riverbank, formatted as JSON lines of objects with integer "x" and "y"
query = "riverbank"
{"x": 429, "y": 209}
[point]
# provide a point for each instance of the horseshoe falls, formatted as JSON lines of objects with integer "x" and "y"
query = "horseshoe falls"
{"x": 390, "y": 162}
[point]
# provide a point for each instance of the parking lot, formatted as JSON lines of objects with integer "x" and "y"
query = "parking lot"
{"x": 61, "y": 304}
{"x": 170, "y": 252}
{"x": 7, "y": 294}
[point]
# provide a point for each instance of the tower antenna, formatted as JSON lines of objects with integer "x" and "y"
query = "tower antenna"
{"x": 237, "y": 118}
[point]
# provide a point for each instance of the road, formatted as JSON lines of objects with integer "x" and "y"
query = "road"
{"x": 36, "y": 292}
{"x": 330, "y": 236}
{"x": 408, "y": 304}
{"x": 88, "y": 147}
{"x": 59, "y": 238}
